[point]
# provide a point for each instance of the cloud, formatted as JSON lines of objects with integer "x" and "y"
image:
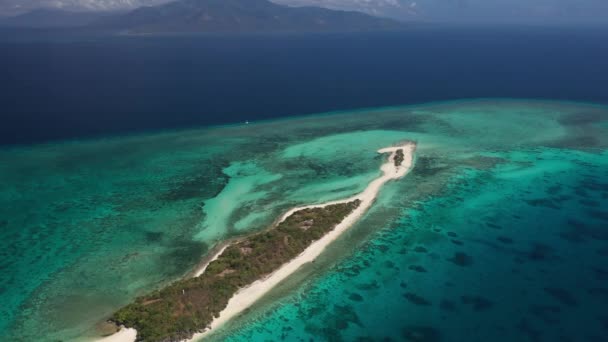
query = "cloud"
{"x": 20, "y": 6}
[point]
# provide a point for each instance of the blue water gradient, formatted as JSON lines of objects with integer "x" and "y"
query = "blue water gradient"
{"x": 516, "y": 252}
{"x": 61, "y": 87}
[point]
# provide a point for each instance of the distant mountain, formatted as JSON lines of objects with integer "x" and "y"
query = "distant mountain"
{"x": 402, "y": 9}
{"x": 240, "y": 16}
{"x": 52, "y": 18}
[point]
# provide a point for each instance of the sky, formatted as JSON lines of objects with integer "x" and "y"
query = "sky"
{"x": 425, "y": 10}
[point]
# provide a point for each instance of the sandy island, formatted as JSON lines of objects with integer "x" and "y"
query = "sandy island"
{"x": 247, "y": 296}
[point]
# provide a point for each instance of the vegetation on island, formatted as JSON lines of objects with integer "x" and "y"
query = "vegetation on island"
{"x": 399, "y": 157}
{"x": 188, "y": 306}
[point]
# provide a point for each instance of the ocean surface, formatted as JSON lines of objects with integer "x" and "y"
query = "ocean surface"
{"x": 59, "y": 86}
{"x": 500, "y": 233}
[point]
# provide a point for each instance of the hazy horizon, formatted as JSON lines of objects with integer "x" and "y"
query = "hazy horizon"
{"x": 540, "y": 12}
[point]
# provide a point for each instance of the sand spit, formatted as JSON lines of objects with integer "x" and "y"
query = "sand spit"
{"x": 124, "y": 335}
{"x": 247, "y": 296}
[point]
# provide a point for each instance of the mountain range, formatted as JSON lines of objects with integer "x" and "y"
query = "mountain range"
{"x": 185, "y": 16}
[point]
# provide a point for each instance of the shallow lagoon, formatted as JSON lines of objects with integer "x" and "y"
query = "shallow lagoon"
{"x": 503, "y": 213}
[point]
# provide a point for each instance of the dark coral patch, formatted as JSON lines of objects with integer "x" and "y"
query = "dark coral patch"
{"x": 604, "y": 322}
{"x": 382, "y": 248}
{"x": 581, "y": 118}
{"x": 447, "y": 305}
{"x": 561, "y": 295}
{"x": 427, "y": 166}
{"x": 478, "y": 303}
{"x": 198, "y": 185}
{"x": 504, "y": 239}
{"x": 420, "y": 249}
{"x": 554, "y": 190}
{"x": 600, "y": 274}
{"x": 420, "y": 333}
{"x": 452, "y": 234}
{"x": 578, "y": 231}
{"x": 546, "y": 312}
{"x": 368, "y": 286}
{"x": 457, "y": 242}
{"x": 352, "y": 270}
{"x": 355, "y": 297}
{"x": 589, "y": 203}
{"x": 493, "y": 225}
{"x": 416, "y": 299}
{"x": 461, "y": 259}
{"x": 346, "y": 315}
{"x": 340, "y": 325}
{"x": 571, "y": 235}
{"x": 593, "y": 185}
{"x": 598, "y": 292}
{"x": 154, "y": 236}
{"x": 527, "y": 329}
{"x": 543, "y": 202}
{"x": 541, "y": 252}
{"x": 417, "y": 268}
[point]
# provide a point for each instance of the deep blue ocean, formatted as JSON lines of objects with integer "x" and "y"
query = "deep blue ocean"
{"x": 60, "y": 86}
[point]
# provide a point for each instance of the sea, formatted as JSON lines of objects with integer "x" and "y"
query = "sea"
{"x": 125, "y": 159}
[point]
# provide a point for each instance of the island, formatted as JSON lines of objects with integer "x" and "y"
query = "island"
{"x": 398, "y": 159}
{"x": 245, "y": 269}
{"x": 205, "y": 16}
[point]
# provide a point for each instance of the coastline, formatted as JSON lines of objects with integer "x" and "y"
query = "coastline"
{"x": 248, "y": 295}
{"x": 218, "y": 250}
{"x": 123, "y": 335}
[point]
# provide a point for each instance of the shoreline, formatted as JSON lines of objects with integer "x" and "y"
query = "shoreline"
{"x": 247, "y": 296}
{"x": 123, "y": 335}
{"x": 216, "y": 252}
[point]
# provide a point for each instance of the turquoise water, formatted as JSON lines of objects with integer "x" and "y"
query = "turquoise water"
{"x": 512, "y": 253}
{"x": 499, "y": 232}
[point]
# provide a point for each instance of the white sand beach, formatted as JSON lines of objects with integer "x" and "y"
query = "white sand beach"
{"x": 123, "y": 335}
{"x": 247, "y": 296}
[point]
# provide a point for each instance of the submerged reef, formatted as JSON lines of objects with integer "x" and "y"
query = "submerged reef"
{"x": 517, "y": 187}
